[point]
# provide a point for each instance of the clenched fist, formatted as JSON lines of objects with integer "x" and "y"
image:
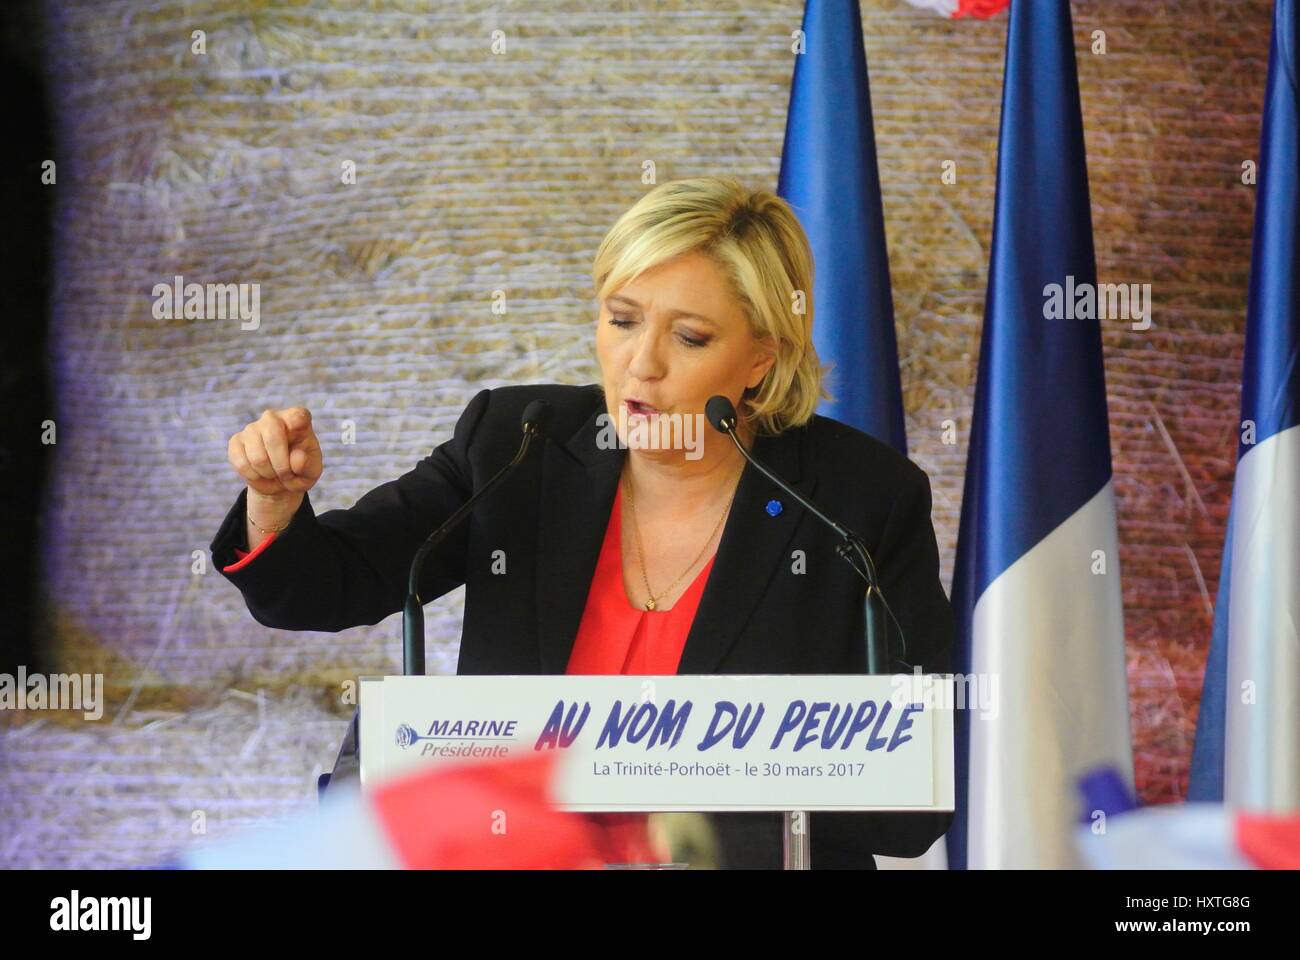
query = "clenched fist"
{"x": 278, "y": 455}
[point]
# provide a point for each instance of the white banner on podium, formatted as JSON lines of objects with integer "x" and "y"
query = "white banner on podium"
{"x": 707, "y": 743}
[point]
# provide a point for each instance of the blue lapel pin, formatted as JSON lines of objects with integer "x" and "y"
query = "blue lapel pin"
{"x": 774, "y": 508}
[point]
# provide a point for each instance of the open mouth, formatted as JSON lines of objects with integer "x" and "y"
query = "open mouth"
{"x": 636, "y": 408}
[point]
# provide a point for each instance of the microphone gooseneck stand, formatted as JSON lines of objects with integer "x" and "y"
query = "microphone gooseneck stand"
{"x": 534, "y": 421}
{"x": 721, "y": 415}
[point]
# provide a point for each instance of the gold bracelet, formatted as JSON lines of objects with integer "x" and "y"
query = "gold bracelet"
{"x": 277, "y": 530}
{"x": 263, "y": 529}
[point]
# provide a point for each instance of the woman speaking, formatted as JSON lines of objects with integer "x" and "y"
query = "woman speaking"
{"x": 637, "y": 540}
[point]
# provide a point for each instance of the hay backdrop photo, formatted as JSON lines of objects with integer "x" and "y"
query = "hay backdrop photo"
{"x": 419, "y": 206}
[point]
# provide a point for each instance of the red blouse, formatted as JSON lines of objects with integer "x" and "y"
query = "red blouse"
{"x": 617, "y": 637}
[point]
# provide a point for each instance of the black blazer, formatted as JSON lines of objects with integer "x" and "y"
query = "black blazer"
{"x": 759, "y": 613}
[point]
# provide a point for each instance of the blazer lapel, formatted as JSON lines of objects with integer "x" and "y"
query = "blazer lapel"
{"x": 579, "y": 482}
{"x": 753, "y": 547}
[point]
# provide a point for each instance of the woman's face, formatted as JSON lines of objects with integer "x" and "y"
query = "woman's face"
{"x": 671, "y": 339}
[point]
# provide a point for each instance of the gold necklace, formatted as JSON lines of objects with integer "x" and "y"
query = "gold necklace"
{"x": 636, "y": 531}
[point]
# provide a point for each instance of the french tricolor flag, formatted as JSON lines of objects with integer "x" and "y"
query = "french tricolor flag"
{"x": 1248, "y": 731}
{"x": 1036, "y": 589}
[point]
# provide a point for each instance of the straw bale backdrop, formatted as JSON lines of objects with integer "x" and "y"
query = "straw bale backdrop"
{"x": 479, "y": 171}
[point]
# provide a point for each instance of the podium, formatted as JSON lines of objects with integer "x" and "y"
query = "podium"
{"x": 789, "y": 743}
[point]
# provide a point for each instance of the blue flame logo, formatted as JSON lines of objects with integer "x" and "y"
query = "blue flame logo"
{"x": 406, "y": 736}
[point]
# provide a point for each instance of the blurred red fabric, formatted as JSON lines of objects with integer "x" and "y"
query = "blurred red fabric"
{"x": 488, "y": 816}
{"x": 1270, "y": 842}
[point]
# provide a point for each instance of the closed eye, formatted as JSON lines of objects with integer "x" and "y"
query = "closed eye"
{"x": 693, "y": 342}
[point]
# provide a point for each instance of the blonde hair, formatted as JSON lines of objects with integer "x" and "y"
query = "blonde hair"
{"x": 757, "y": 241}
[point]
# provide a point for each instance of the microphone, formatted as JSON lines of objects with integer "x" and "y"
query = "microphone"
{"x": 721, "y": 415}
{"x": 534, "y": 423}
